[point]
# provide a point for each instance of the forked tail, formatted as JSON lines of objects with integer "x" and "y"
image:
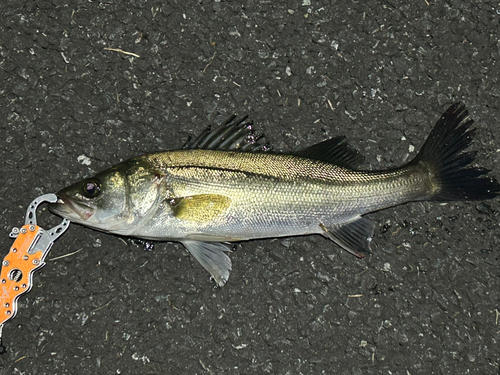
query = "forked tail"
{"x": 443, "y": 154}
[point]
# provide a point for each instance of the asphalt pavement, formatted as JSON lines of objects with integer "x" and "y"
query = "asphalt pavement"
{"x": 87, "y": 84}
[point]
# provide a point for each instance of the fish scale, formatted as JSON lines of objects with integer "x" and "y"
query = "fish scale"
{"x": 328, "y": 190}
{"x": 224, "y": 186}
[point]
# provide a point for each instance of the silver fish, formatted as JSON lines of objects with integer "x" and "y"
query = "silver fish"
{"x": 225, "y": 187}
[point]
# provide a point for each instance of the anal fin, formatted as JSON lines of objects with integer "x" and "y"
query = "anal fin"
{"x": 354, "y": 237}
{"x": 212, "y": 257}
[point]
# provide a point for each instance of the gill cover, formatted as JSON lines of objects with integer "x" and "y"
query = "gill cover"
{"x": 114, "y": 200}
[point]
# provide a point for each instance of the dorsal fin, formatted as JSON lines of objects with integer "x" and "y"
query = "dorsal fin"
{"x": 333, "y": 150}
{"x": 232, "y": 135}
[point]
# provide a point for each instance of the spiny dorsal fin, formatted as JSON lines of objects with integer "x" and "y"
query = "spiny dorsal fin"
{"x": 232, "y": 135}
{"x": 333, "y": 150}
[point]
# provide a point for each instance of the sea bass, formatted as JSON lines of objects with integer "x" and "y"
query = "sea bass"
{"x": 225, "y": 186}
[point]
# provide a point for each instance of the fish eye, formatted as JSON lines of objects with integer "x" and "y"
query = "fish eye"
{"x": 91, "y": 188}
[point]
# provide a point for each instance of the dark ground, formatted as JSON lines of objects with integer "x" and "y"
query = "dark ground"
{"x": 426, "y": 302}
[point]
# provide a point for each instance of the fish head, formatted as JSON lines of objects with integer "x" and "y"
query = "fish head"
{"x": 114, "y": 200}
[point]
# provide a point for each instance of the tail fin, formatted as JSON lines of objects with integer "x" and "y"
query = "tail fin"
{"x": 442, "y": 152}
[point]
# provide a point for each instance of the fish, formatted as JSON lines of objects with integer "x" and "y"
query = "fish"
{"x": 227, "y": 186}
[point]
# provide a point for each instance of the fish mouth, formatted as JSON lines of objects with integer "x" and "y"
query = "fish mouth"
{"x": 71, "y": 209}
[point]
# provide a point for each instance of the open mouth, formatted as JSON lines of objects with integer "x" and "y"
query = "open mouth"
{"x": 70, "y": 209}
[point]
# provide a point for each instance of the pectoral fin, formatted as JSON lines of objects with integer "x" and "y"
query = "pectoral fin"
{"x": 355, "y": 237}
{"x": 200, "y": 208}
{"x": 212, "y": 257}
